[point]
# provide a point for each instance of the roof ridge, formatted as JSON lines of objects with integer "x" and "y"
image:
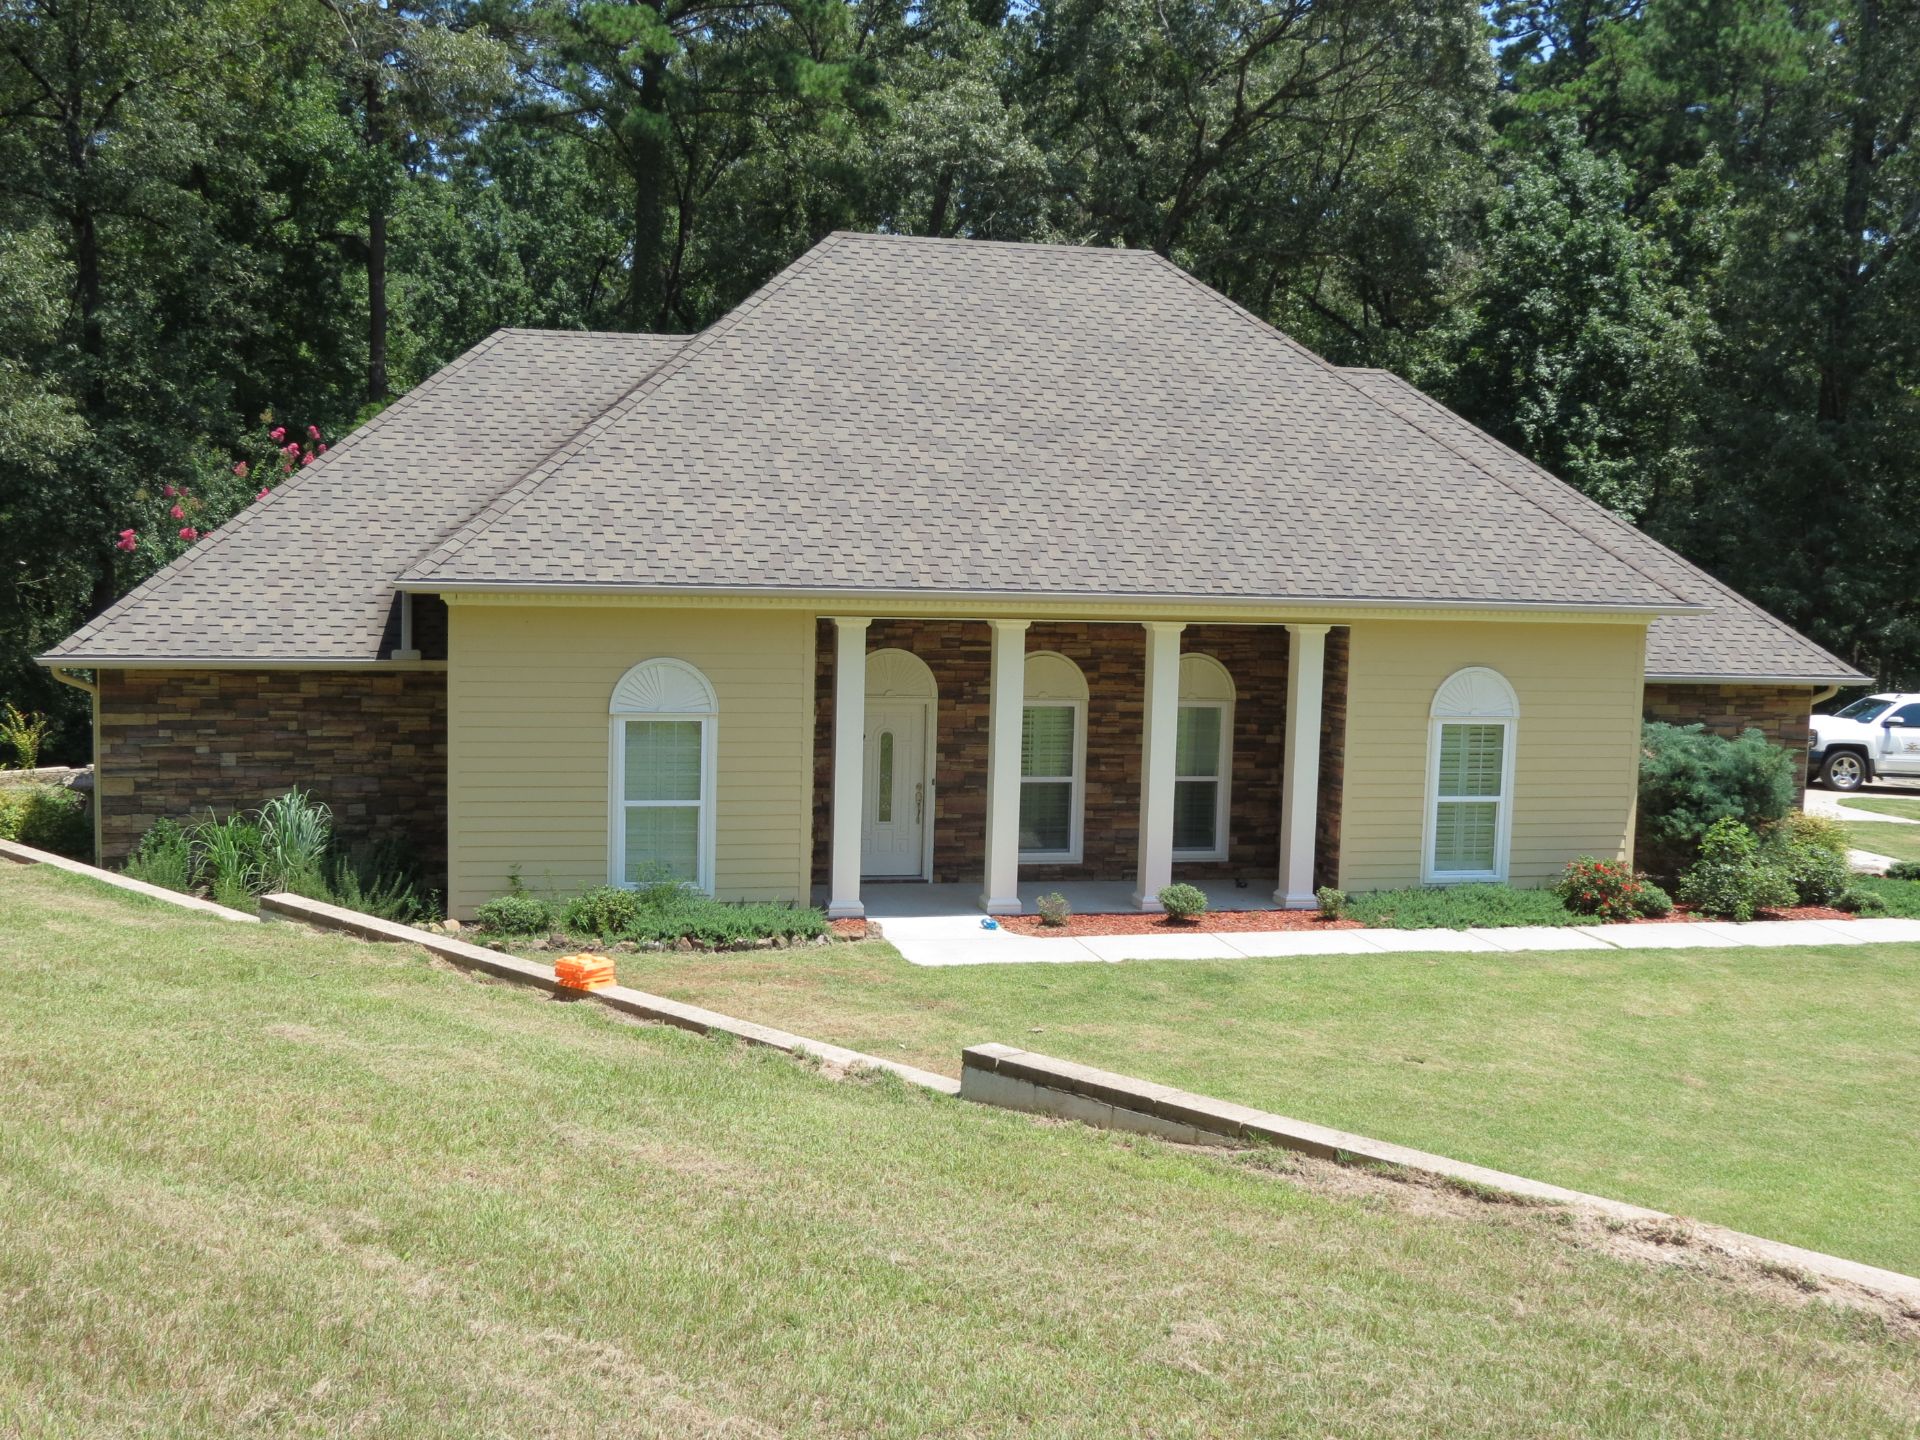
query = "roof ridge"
{"x": 1340, "y": 373}
{"x": 1587, "y": 501}
{"x": 188, "y": 562}
{"x": 496, "y": 509}
{"x": 961, "y": 241}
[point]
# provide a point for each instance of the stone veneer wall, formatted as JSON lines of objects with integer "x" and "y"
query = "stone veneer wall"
{"x": 371, "y": 744}
{"x": 1780, "y": 712}
{"x": 1113, "y": 659}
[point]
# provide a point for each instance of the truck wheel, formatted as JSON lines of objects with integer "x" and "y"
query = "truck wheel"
{"x": 1844, "y": 770}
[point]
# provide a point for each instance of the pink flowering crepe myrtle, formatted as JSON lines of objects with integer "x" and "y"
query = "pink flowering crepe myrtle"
{"x": 193, "y": 516}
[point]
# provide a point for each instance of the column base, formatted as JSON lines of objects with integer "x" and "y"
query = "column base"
{"x": 846, "y": 910}
{"x": 1148, "y": 904}
{"x": 1001, "y": 906}
{"x": 1295, "y": 902}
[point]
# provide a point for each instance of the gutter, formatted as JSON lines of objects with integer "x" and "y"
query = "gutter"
{"x": 1832, "y": 685}
{"x": 92, "y": 689}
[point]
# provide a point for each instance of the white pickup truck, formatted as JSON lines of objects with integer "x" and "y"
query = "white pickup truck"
{"x": 1875, "y": 736}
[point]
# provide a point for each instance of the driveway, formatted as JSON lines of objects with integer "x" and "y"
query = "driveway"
{"x": 1827, "y": 802}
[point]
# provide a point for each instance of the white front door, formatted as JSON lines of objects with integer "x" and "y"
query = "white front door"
{"x": 893, "y": 832}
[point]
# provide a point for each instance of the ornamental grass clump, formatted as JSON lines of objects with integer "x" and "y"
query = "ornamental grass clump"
{"x": 1732, "y": 879}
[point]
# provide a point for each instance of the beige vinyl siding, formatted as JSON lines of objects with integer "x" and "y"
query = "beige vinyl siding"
{"x": 1577, "y": 753}
{"x": 528, "y": 735}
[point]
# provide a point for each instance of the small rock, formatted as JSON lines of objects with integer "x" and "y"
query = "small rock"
{"x": 450, "y": 926}
{"x": 765, "y": 942}
{"x": 627, "y": 947}
{"x": 683, "y": 943}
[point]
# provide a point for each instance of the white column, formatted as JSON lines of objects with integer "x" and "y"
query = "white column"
{"x": 849, "y": 763}
{"x": 1161, "y": 726}
{"x": 1300, "y": 780}
{"x": 1006, "y": 707}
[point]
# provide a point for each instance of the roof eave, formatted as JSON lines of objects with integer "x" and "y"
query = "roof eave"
{"x": 1830, "y": 677}
{"x": 230, "y": 662}
{"x": 877, "y": 595}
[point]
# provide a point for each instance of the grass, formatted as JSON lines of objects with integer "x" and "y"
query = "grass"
{"x": 258, "y": 1182}
{"x": 1708, "y": 1082}
{"x": 1898, "y": 808}
{"x": 1901, "y": 842}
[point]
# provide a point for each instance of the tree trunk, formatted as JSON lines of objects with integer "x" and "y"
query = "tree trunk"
{"x": 376, "y": 251}
{"x": 647, "y": 162}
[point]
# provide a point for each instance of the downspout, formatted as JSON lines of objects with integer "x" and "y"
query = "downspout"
{"x": 92, "y": 689}
{"x": 406, "y": 650}
{"x": 1822, "y": 696}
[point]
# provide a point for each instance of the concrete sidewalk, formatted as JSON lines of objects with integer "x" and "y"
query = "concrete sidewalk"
{"x": 960, "y": 939}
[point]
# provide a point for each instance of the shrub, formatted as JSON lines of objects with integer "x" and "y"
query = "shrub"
{"x": 1333, "y": 903}
{"x": 26, "y": 733}
{"x": 1811, "y": 851}
{"x": 229, "y": 858}
{"x": 1606, "y": 889}
{"x": 163, "y": 857}
{"x": 1689, "y": 780}
{"x": 1731, "y": 878}
{"x": 381, "y": 877}
{"x": 1183, "y": 902}
{"x": 1054, "y": 909}
{"x": 606, "y": 911}
{"x": 1459, "y": 907}
{"x": 47, "y": 817}
{"x": 1862, "y": 902}
{"x": 1655, "y": 903}
{"x": 1904, "y": 870}
{"x": 516, "y": 913}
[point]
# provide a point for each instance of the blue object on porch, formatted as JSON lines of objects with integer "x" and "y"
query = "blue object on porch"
{"x": 989, "y": 923}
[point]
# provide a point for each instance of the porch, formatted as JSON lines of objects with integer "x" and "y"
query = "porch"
{"x": 965, "y": 765}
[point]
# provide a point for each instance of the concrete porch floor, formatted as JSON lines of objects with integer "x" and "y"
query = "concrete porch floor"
{"x": 918, "y": 900}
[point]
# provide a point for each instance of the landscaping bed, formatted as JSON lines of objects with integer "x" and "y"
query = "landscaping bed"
{"x": 1255, "y": 921}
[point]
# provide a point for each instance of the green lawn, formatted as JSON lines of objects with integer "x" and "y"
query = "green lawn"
{"x": 1776, "y": 1091}
{"x": 261, "y": 1183}
{"x": 1884, "y": 805}
{"x": 1902, "y": 842}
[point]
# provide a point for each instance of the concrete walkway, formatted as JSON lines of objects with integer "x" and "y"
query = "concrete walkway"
{"x": 1828, "y": 803}
{"x": 960, "y": 939}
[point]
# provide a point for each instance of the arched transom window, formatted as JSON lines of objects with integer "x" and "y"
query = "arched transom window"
{"x": 661, "y": 786}
{"x": 1470, "y": 747}
{"x": 1053, "y": 759}
{"x": 1203, "y": 759}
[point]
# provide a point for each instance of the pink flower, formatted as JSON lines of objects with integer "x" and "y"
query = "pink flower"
{"x": 169, "y": 491}
{"x": 292, "y": 447}
{"x": 306, "y": 459}
{"x": 189, "y": 533}
{"x": 313, "y": 432}
{"x": 323, "y": 449}
{"x": 241, "y": 469}
{"x": 127, "y": 541}
{"x": 277, "y": 434}
{"x": 177, "y": 513}
{"x": 264, "y": 492}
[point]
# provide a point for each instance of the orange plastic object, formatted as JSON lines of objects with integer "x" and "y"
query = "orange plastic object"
{"x": 583, "y": 972}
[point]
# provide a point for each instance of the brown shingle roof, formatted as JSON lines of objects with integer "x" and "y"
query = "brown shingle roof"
{"x": 1734, "y": 640}
{"x": 898, "y": 415}
{"x": 307, "y": 575}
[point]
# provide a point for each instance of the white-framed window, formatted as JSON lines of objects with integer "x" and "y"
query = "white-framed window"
{"x": 661, "y": 775}
{"x": 1203, "y": 760}
{"x": 1470, "y": 752}
{"x": 1053, "y": 760}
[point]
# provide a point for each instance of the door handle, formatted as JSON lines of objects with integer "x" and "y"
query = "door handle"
{"x": 920, "y": 803}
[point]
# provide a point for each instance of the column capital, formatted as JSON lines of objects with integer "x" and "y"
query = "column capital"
{"x": 852, "y": 622}
{"x": 1010, "y": 626}
{"x": 1294, "y": 629}
{"x": 1164, "y": 627}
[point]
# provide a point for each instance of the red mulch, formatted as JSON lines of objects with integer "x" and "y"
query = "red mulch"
{"x": 849, "y": 929}
{"x": 1215, "y": 921}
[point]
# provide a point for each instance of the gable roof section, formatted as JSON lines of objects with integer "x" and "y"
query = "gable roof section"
{"x": 896, "y": 416}
{"x": 307, "y": 574}
{"x": 1734, "y": 640}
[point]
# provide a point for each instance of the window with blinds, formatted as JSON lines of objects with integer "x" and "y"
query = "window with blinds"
{"x": 1469, "y": 793}
{"x": 662, "y": 795}
{"x": 1199, "y": 770}
{"x": 1050, "y": 781}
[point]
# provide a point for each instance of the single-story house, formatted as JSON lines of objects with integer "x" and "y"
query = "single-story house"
{"x": 933, "y": 560}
